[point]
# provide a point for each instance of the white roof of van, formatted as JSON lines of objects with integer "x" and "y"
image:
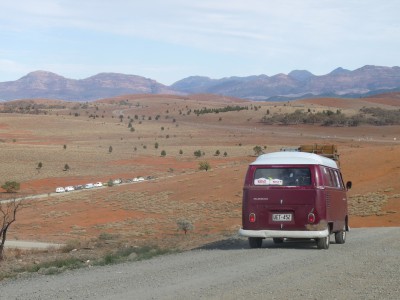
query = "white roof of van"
{"x": 294, "y": 158}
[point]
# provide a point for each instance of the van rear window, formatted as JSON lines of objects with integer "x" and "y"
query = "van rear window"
{"x": 282, "y": 176}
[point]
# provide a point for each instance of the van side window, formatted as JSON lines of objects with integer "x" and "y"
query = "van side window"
{"x": 339, "y": 182}
{"x": 332, "y": 178}
{"x": 328, "y": 178}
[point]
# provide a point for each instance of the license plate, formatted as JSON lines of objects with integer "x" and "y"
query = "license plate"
{"x": 282, "y": 217}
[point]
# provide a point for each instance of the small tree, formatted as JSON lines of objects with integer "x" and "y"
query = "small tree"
{"x": 204, "y": 165}
{"x": 258, "y": 150}
{"x": 110, "y": 149}
{"x": 156, "y": 145}
{"x": 39, "y": 166}
{"x": 8, "y": 214}
{"x": 197, "y": 153}
{"x": 184, "y": 225}
{"x": 163, "y": 153}
{"x": 11, "y": 186}
{"x": 217, "y": 153}
{"x": 66, "y": 167}
{"x": 65, "y": 147}
{"x": 180, "y": 151}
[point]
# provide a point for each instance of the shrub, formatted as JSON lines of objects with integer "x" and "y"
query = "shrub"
{"x": 184, "y": 225}
{"x": 204, "y": 165}
{"x": 197, "y": 153}
{"x": 258, "y": 150}
{"x": 11, "y": 186}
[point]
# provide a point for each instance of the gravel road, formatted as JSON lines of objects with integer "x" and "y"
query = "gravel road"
{"x": 366, "y": 267}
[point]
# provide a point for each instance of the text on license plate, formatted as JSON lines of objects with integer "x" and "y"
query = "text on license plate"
{"x": 281, "y": 217}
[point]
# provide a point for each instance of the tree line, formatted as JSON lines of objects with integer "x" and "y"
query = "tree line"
{"x": 228, "y": 108}
{"x": 372, "y": 116}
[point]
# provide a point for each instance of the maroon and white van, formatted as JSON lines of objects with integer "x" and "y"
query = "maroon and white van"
{"x": 294, "y": 195}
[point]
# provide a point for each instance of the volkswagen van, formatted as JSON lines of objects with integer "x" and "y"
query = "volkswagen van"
{"x": 294, "y": 195}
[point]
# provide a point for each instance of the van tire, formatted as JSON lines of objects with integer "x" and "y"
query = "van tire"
{"x": 340, "y": 237}
{"x": 323, "y": 243}
{"x": 255, "y": 242}
{"x": 277, "y": 240}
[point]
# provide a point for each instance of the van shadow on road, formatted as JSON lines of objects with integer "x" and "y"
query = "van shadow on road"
{"x": 238, "y": 243}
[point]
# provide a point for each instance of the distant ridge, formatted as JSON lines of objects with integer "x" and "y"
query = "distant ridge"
{"x": 365, "y": 81}
{"x": 42, "y": 84}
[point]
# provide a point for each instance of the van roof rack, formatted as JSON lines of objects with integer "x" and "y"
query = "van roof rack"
{"x": 326, "y": 150}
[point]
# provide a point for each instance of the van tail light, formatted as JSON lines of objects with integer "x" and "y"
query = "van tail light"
{"x": 252, "y": 217}
{"x": 311, "y": 218}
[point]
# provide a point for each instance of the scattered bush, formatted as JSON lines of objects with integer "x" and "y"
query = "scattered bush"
{"x": 11, "y": 186}
{"x": 198, "y": 153}
{"x": 204, "y": 165}
{"x": 184, "y": 225}
{"x": 258, "y": 150}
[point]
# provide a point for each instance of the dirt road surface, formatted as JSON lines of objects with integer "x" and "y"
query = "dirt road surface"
{"x": 367, "y": 266}
{"x": 31, "y": 245}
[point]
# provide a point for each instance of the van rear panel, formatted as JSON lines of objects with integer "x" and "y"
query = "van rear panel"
{"x": 277, "y": 208}
{"x": 280, "y": 197}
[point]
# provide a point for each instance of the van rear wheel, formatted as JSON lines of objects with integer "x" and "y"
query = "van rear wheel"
{"x": 323, "y": 243}
{"x": 340, "y": 237}
{"x": 255, "y": 242}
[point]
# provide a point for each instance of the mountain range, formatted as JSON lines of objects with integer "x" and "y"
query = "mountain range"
{"x": 297, "y": 84}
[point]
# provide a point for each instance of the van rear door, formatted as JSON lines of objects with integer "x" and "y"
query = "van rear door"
{"x": 279, "y": 197}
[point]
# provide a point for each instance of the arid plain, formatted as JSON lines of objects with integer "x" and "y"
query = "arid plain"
{"x": 98, "y": 144}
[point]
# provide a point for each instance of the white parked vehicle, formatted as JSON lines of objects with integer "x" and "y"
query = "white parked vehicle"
{"x": 60, "y": 190}
{"x": 98, "y": 184}
{"x": 69, "y": 188}
{"x": 89, "y": 186}
{"x": 141, "y": 179}
{"x": 117, "y": 181}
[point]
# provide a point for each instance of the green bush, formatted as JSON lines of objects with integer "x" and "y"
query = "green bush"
{"x": 11, "y": 186}
{"x": 204, "y": 165}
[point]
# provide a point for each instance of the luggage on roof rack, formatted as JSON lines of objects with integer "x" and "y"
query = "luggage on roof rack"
{"x": 329, "y": 151}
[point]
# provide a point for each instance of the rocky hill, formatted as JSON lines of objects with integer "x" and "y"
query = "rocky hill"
{"x": 365, "y": 81}
{"x": 298, "y": 84}
{"x": 41, "y": 84}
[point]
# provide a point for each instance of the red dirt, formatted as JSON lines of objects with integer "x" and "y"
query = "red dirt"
{"x": 369, "y": 157}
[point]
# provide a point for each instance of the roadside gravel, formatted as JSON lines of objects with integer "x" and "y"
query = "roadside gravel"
{"x": 367, "y": 266}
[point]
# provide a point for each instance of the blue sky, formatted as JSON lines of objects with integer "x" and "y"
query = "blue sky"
{"x": 168, "y": 40}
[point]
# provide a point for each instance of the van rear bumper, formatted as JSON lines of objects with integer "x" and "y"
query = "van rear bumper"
{"x": 301, "y": 234}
